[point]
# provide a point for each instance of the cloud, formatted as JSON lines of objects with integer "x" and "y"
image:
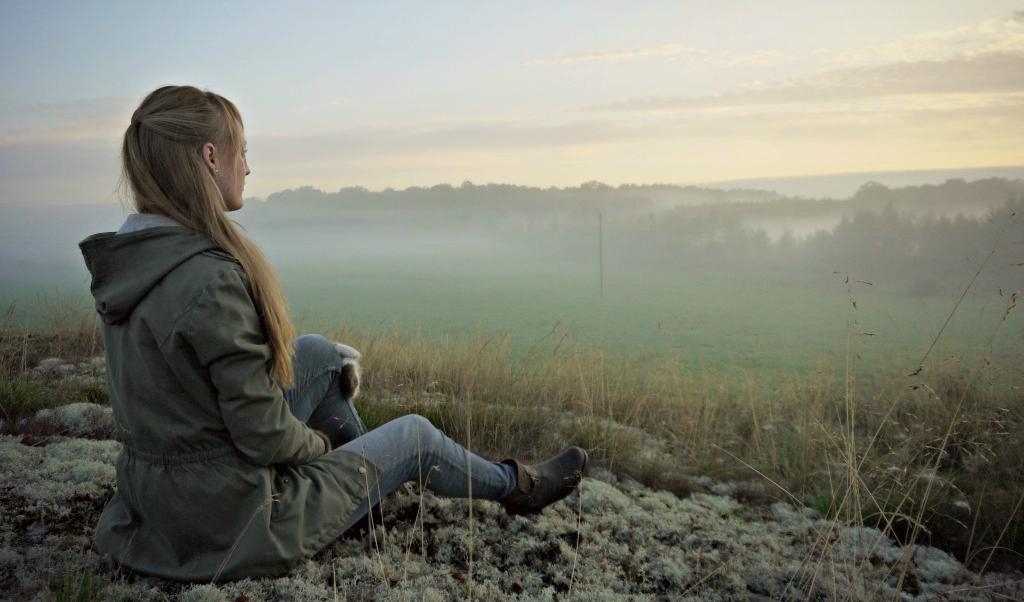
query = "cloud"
{"x": 697, "y": 57}
{"x": 938, "y": 98}
{"x": 989, "y": 36}
{"x": 991, "y": 75}
{"x": 620, "y": 147}
{"x": 411, "y": 139}
{"x": 996, "y": 35}
{"x": 510, "y": 143}
{"x": 662, "y": 147}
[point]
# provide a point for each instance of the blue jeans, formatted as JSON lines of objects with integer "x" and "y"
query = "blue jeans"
{"x": 406, "y": 449}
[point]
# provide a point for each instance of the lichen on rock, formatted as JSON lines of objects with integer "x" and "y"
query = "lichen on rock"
{"x": 81, "y": 419}
{"x": 612, "y": 540}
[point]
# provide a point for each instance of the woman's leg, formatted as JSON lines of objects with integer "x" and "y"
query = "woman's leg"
{"x": 410, "y": 448}
{"x": 316, "y": 398}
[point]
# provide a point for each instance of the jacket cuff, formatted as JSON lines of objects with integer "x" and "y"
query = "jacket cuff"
{"x": 327, "y": 440}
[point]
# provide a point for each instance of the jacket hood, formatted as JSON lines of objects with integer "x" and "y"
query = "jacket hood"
{"x": 125, "y": 267}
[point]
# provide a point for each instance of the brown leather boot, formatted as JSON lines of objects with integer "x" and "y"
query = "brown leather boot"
{"x": 540, "y": 485}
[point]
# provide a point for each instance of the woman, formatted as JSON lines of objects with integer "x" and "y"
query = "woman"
{"x": 243, "y": 454}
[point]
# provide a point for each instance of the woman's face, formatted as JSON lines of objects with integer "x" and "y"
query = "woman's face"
{"x": 232, "y": 169}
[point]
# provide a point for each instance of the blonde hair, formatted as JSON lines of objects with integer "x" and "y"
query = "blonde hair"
{"x": 161, "y": 162}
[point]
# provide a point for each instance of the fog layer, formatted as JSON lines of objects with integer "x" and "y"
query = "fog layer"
{"x": 739, "y": 277}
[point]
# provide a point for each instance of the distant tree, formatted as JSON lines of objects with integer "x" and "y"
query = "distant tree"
{"x": 870, "y": 189}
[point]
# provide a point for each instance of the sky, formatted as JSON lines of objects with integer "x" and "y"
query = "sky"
{"x": 398, "y": 94}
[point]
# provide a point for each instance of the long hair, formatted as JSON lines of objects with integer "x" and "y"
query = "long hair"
{"x": 162, "y": 163}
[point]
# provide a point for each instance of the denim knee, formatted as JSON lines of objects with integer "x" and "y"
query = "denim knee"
{"x": 421, "y": 433}
{"x": 315, "y": 350}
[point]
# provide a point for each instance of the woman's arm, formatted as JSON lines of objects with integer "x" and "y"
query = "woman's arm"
{"x": 228, "y": 337}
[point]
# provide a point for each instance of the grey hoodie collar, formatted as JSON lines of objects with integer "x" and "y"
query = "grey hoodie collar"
{"x": 140, "y": 221}
{"x": 125, "y": 267}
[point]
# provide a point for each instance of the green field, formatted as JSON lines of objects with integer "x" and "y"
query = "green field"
{"x": 766, "y": 328}
{"x": 769, "y": 329}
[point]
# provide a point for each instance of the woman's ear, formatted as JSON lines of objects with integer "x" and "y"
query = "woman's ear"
{"x": 209, "y": 154}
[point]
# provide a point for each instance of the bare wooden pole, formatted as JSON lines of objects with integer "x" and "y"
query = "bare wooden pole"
{"x": 600, "y": 248}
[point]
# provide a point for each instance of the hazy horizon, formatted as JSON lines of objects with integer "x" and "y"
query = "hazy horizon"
{"x": 835, "y": 186}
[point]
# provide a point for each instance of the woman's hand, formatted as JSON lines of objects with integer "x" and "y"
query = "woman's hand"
{"x": 349, "y": 370}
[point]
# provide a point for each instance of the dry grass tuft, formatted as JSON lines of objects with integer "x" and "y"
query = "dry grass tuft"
{"x": 935, "y": 459}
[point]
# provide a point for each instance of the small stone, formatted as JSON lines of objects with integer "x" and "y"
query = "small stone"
{"x": 602, "y": 474}
{"x": 811, "y": 513}
{"x": 49, "y": 364}
{"x": 36, "y": 532}
{"x": 935, "y": 566}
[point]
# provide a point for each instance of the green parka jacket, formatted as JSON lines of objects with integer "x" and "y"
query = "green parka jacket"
{"x": 216, "y": 478}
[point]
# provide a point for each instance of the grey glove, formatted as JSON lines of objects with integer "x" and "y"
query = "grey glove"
{"x": 349, "y": 370}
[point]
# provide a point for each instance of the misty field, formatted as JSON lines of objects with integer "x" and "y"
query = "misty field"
{"x": 690, "y": 275}
{"x": 769, "y": 330}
